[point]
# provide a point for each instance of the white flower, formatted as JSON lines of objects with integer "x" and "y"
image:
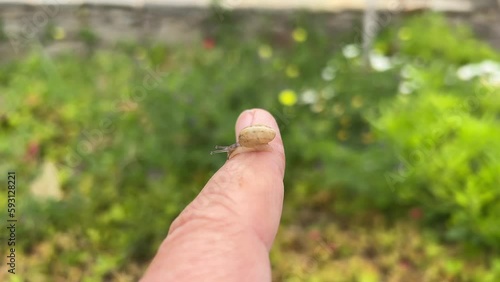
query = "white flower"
{"x": 328, "y": 73}
{"x": 494, "y": 79}
{"x": 380, "y": 62}
{"x": 484, "y": 68}
{"x": 467, "y": 72}
{"x": 407, "y": 71}
{"x": 327, "y": 93}
{"x": 407, "y": 87}
{"x": 351, "y": 51}
{"x": 489, "y": 67}
{"x": 309, "y": 97}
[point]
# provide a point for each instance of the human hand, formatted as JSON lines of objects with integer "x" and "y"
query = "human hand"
{"x": 226, "y": 232}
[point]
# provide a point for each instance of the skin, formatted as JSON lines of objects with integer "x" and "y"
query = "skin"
{"x": 226, "y": 232}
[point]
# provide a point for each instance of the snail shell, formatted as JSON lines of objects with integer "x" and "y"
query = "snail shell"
{"x": 256, "y": 135}
{"x": 252, "y": 138}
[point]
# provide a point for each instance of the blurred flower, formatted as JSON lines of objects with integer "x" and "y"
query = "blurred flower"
{"x": 345, "y": 121}
{"x": 208, "y": 43}
{"x": 342, "y": 135}
{"x": 314, "y": 235}
{"x": 309, "y": 97}
{"x": 58, "y": 33}
{"x": 351, "y": 51}
{"x": 69, "y": 111}
{"x": 265, "y": 51}
{"x": 488, "y": 69}
{"x": 317, "y": 108}
{"x": 327, "y": 93}
{"x": 416, "y": 213}
{"x": 288, "y": 97}
{"x": 467, "y": 72}
{"x": 299, "y": 34}
{"x": 405, "y": 263}
{"x": 328, "y": 73}
{"x": 412, "y": 79}
{"x": 292, "y": 71}
{"x": 47, "y": 186}
{"x": 357, "y": 101}
{"x": 32, "y": 151}
{"x": 338, "y": 109}
{"x": 494, "y": 79}
{"x": 404, "y": 34}
{"x": 33, "y": 100}
{"x": 407, "y": 87}
{"x": 380, "y": 62}
{"x": 407, "y": 71}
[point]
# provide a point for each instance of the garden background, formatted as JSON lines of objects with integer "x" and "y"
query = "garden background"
{"x": 393, "y": 170}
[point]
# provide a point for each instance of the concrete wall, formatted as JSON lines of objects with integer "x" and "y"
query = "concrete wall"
{"x": 317, "y": 5}
{"x": 73, "y": 27}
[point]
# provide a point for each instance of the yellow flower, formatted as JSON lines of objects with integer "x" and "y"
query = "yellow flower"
{"x": 292, "y": 71}
{"x": 299, "y": 34}
{"x": 68, "y": 111}
{"x": 342, "y": 135}
{"x": 357, "y": 102}
{"x": 317, "y": 108}
{"x": 345, "y": 121}
{"x": 338, "y": 109}
{"x": 288, "y": 97}
{"x": 33, "y": 99}
{"x": 404, "y": 34}
{"x": 265, "y": 51}
{"x": 58, "y": 33}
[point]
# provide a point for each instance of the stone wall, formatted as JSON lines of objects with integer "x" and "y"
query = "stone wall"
{"x": 75, "y": 27}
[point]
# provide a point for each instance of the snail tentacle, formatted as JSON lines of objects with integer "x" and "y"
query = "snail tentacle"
{"x": 224, "y": 149}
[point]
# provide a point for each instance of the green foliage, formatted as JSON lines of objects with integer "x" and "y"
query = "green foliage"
{"x": 88, "y": 37}
{"x": 130, "y": 131}
{"x": 444, "y": 133}
{"x": 3, "y": 36}
{"x": 432, "y": 37}
{"x": 448, "y": 146}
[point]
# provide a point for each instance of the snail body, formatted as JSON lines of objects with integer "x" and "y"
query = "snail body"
{"x": 252, "y": 138}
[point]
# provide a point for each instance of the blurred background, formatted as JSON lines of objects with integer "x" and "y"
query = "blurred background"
{"x": 389, "y": 111}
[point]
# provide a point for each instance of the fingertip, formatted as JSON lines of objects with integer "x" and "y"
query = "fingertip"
{"x": 256, "y": 116}
{"x": 261, "y": 116}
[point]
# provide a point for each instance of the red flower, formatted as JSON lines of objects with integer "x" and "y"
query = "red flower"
{"x": 32, "y": 151}
{"x": 416, "y": 213}
{"x": 405, "y": 263}
{"x": 208, "y": 43}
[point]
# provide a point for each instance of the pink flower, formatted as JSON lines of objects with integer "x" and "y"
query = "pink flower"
{"x": 208, "y": 43}
{"x": 32, "y": 151}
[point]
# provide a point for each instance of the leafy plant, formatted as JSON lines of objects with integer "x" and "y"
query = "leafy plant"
{"x": 130, "y": 130}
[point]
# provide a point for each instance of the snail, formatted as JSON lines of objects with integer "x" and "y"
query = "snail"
{"x": 252, "y": 138}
